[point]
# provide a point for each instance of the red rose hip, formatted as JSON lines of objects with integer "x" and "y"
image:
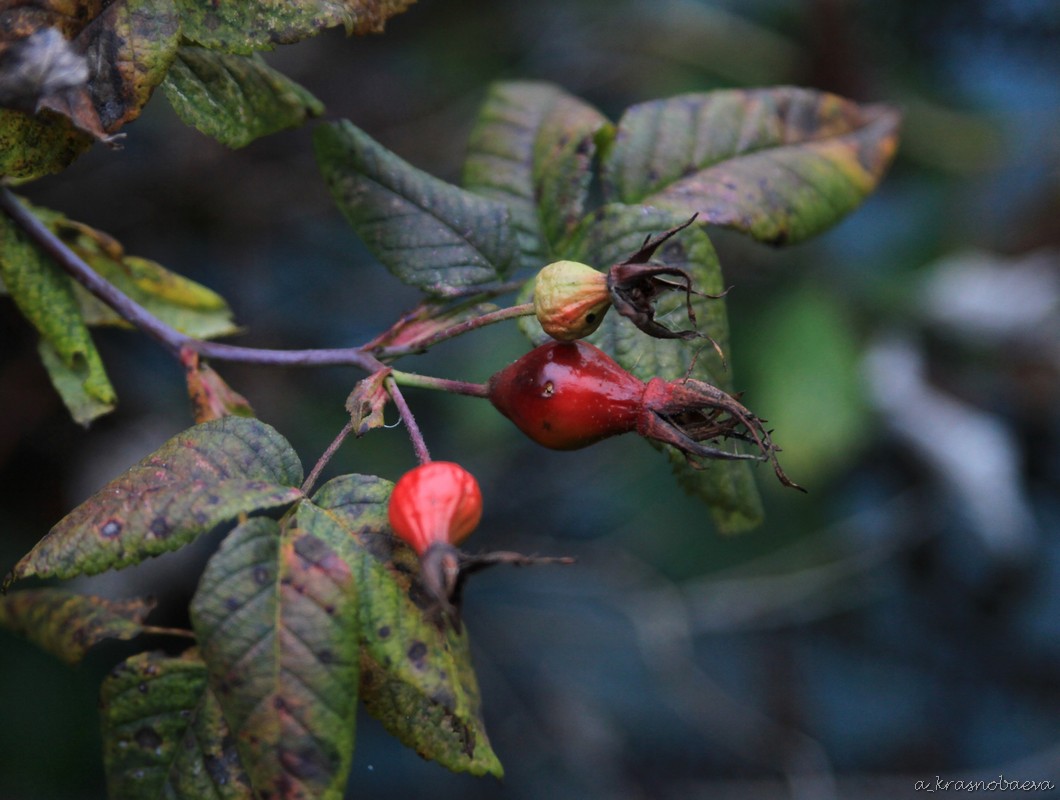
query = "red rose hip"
{"x": 566, "y": 395}
{"x": 436, "y": 502}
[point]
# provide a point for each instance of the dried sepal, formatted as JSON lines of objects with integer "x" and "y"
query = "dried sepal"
{"x": 686, "y": 413}
{"x": 636, "y": 283}
{"x": 367, "y": 401}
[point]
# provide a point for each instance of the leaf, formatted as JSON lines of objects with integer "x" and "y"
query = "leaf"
{"x": 233, "y": 98}
{"x": 249, "y": 25}
{"x": 45, "y": 296}
{"x": 84, "y": 388}
{"x": 31, "y": 147}
{"x": 780, "y": 164}
{"x": 180, "y": 302}
{"x": 200, "y": 478}
{"x": 415, "y": 678}
{"x": 276, "y": 616}
{"x": 367, "y": 401}
{"x": 127, "y": 47}
{"x": 532, "y": 149}
{"x": 428, "y": 233}
{"x": 164, "y": 735}
{"x": 67, "y": 624}
{"x": 610, "y": 236}
{"x": 211, "y": 397}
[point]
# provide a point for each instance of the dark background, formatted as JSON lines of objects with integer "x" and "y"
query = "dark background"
{"x": 897, "y": 624}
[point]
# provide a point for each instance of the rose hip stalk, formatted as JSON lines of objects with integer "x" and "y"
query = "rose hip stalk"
{"x": 567, "y": 395}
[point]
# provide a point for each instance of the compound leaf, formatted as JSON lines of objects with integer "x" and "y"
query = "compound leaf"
{"x": 416, "y": 676}
{"x": 207, "y": 475}
{"x": 276, "y": 617}
{"x": 427, "y": 232}
{"x": 532, "y": 149}
{"x": 780, "y": 164}
{"x": 164, "y": 735}
{"x": 233, "y": 98}
{"x": 249, "y": 25}
{"x": 67, "y": 624}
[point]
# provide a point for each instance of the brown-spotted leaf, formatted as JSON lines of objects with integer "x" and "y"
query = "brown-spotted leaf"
{"x": 205, "y": 476}
{"x": 780, "y": 164}
{"x": 276, "y": 617}
{"x": 416, "y": 675}
{"x": 67, "y": 624}
{"x": 211, "y": 398}
{"x": 164, "y": 735}
{"x": 367, "y": 401}
{"x": 532, "y": 148}
{"x": 127, "y": 46}
{"x": 249, "y": 25}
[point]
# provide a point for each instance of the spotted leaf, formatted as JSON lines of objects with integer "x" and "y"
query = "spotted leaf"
{"x": 416, "y": 676}
{"x": 67, "y": 624}
{"x": 164, "y": 734}
{"x": 276, "y": 617}
{"x": 205, "y": 476}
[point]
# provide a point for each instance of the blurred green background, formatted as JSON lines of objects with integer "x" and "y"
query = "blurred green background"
{"x": 901, "y": 622}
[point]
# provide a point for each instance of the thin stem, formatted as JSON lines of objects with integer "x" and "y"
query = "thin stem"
{"x": 170, "y": 338}
{"x": 125, "y": 306}
{"x": 418, "y": 444}
{"x": 159, "y": 631}
{"x": 460, "y": 328}
{"x": 440, "y": 384}
{"x": 314, "y": 473}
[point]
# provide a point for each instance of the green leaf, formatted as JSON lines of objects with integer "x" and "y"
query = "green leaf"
{"x": 427, "y": 232}
{"x": 45, "y": 296}
{"x": 31, "y": 147}
{"x": 806, "y": 377}
{"x": 532, "y": 149}
{"x": 249, "y": 25}
{"x": 67, "y": 624}
{"x": 184, "y": 304}
{"x": 416, "y": 679}
{"x": 233, "y": 98}
{"x": 84, "y": 388}
{"x": 610, "y": 236}
{"x": 276, "y": 617}
{"x": 200, "y": 478}
{"x": 164, "y": 735}
{"x": 779, "y": 164}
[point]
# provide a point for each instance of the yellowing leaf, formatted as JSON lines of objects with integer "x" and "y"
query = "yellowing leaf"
{"x": 781, "y": 164}
{"x": 67, "y": 624}
{"x": 200, "y": 478}
{"x": 416, "y": 678}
